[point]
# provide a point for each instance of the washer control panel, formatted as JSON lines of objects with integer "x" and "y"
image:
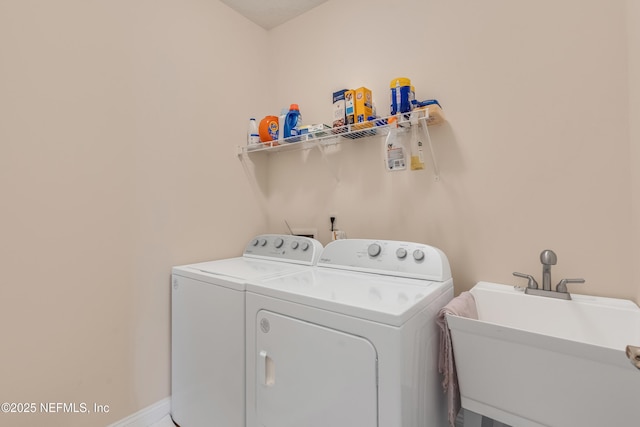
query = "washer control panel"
{"x": 284, "y": 247}
{"x": 396, "y": 258}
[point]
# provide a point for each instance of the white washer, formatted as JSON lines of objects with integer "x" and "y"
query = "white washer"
{"x": 351, "y": 342}
{"x": 208, "y": 327}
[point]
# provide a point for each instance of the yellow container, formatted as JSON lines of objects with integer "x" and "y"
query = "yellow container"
{"x": 363, "y": 104}
{"x": 400, "y": 81}
{"x": 400, "y": 95}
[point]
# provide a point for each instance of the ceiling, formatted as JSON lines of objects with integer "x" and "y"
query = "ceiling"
{"x": 271, "y": 13}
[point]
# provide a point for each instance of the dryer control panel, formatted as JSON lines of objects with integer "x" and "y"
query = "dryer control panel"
{"x": 396, "y": 258}
{"x": 284, "y": 247}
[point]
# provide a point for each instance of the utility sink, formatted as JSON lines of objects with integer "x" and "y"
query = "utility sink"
{"x": 535, "y": 361}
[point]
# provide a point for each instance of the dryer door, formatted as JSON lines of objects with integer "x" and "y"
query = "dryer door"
{"x": 312, "y": 376}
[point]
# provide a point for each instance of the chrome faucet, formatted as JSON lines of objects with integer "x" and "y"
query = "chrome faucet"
{"x": 548, "y": 258}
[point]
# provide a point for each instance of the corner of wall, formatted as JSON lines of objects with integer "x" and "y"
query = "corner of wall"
{"x": 633, "y": 47}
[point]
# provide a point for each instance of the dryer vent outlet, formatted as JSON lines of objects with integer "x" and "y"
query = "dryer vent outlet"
{"x": 305, "y": 232}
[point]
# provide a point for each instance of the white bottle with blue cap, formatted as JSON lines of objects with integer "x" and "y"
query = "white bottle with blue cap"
{"x": 252, "y": 133}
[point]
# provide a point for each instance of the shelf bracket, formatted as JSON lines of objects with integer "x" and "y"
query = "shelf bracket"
{"x": 253, "y": 181}
{"x": 321, "y": 147}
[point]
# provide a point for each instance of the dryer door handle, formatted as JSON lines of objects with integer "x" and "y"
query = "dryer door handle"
{"x": 266, "y": 369}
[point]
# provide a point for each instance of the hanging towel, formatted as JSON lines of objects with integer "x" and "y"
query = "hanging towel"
{"x": 463, "y": 305}
{"x": 633, "y": 353}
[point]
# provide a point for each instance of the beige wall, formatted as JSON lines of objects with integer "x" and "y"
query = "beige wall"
{"x": 117, "y": 161}
{"x": 535, "y": 153}
{"x": 119, "y": 126}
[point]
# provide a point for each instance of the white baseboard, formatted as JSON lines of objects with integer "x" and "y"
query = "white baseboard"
{"x": 148, "y": 416}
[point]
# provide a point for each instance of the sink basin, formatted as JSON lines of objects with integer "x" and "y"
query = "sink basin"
{"x": 535, "y": 361}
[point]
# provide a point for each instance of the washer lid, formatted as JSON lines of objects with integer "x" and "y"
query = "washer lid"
{"x": 384, "y": 299}
{"x": 235, "y": 272}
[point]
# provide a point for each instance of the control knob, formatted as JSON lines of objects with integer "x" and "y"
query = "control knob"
{"x": 418, "y": 255}
{"x": 374, "y": 249}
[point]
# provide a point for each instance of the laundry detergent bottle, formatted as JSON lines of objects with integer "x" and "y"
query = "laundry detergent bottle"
{"x": 292, "y": 121}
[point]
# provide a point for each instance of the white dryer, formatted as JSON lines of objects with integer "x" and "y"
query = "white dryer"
{"x": 208, "y": 327}
{"x": 350, "y": 343}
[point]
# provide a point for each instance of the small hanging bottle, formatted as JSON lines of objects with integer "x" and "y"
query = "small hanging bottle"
{"x": 394, "y": 155}
{"x": 417, "y": 156}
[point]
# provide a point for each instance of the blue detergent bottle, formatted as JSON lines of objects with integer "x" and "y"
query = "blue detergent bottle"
{"x": 292, "y": 122}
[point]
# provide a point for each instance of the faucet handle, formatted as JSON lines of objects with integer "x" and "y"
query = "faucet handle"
{"x": 562, "y": 284}
{"x": 532, "y": 282}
